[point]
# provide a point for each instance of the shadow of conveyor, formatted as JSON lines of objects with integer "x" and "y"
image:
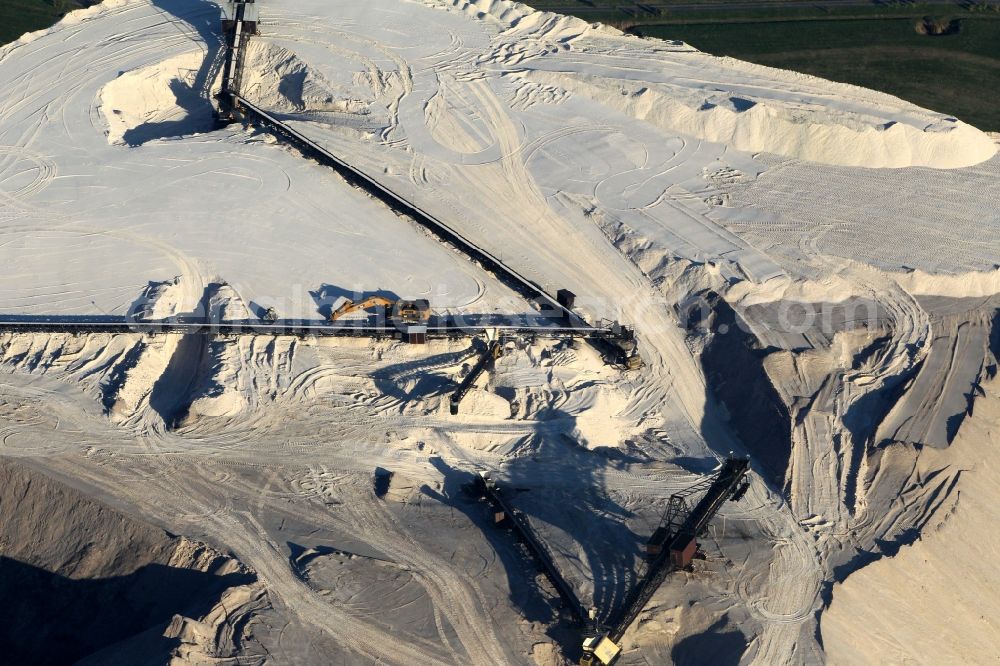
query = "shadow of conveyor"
{"x": 203, "y": 16}
{"x": 458, "y": 493}
{"x": 559, "y": 488}
{"x": 720, "y": 645}
{"x": 428, "y": 375}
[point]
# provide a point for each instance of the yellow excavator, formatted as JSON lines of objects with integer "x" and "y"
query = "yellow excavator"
{"x": 406, "y": 312}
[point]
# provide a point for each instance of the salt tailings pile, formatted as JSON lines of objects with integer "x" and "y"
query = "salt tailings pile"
{"x": 811, "y": 269}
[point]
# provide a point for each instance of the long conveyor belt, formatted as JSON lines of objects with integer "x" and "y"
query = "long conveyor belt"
{"x": 443, "y": 231}
{"x": 443, "y": 328}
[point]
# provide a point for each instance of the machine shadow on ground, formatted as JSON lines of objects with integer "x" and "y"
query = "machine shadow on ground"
{"x": 530, "y": 600}
{"x": 560, "y": 488}
{"x": 328, "y": 294}
{"x": 716, "y": 646}
{"x": 393, "y": 380}
{"x": 570, "y": 496}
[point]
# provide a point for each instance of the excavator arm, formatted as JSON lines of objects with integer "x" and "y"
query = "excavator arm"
{"x": 349, "y": 306}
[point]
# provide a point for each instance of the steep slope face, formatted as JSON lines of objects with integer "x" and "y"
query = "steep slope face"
{"x": 735, "y": 373}
{"x": 863, "y": 401}
{"x": 934, "y": 601}
{"x": 78, "y": 578}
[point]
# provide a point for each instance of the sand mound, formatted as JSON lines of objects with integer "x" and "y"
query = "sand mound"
{"x": 501, "y": 10}
{"x": 278, "y": 80}
{"x": 968, "y": 285}
{"x": 546, "y": 654}
{"x": 754, "y": 123}
{"x": 227, "y": 402}
{"x": 396, "y": 487}
{"x": 84, "y": 582}
{"x": 164, "y": 379}
{"x": 219, "y": 393}
{"x": 128, "y": 387}
{"x": 482, "y": 403}
{"x": 942, "y": 572}
{"x": 780, "y": 113}
{"x": 596, "y": 422}
{"x": 169, "y": 98}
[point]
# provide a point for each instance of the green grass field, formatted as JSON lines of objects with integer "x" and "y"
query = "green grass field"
{"x": 20, "y": 16}
{"x": 956, "y": 74}
{"x": 876, "y": 46}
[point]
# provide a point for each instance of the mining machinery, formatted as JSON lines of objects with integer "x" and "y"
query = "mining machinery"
{"x": 487, "y": 361}
{"x": 618, "y": 346}
{"x": 672, "y": 546}
{"x": 239, "y": 22}
{"x": 416, "y": 312}
{"x": 623, "y": 348}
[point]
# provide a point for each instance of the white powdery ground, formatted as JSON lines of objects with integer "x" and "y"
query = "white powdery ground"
{"x": 630, "y": 171}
